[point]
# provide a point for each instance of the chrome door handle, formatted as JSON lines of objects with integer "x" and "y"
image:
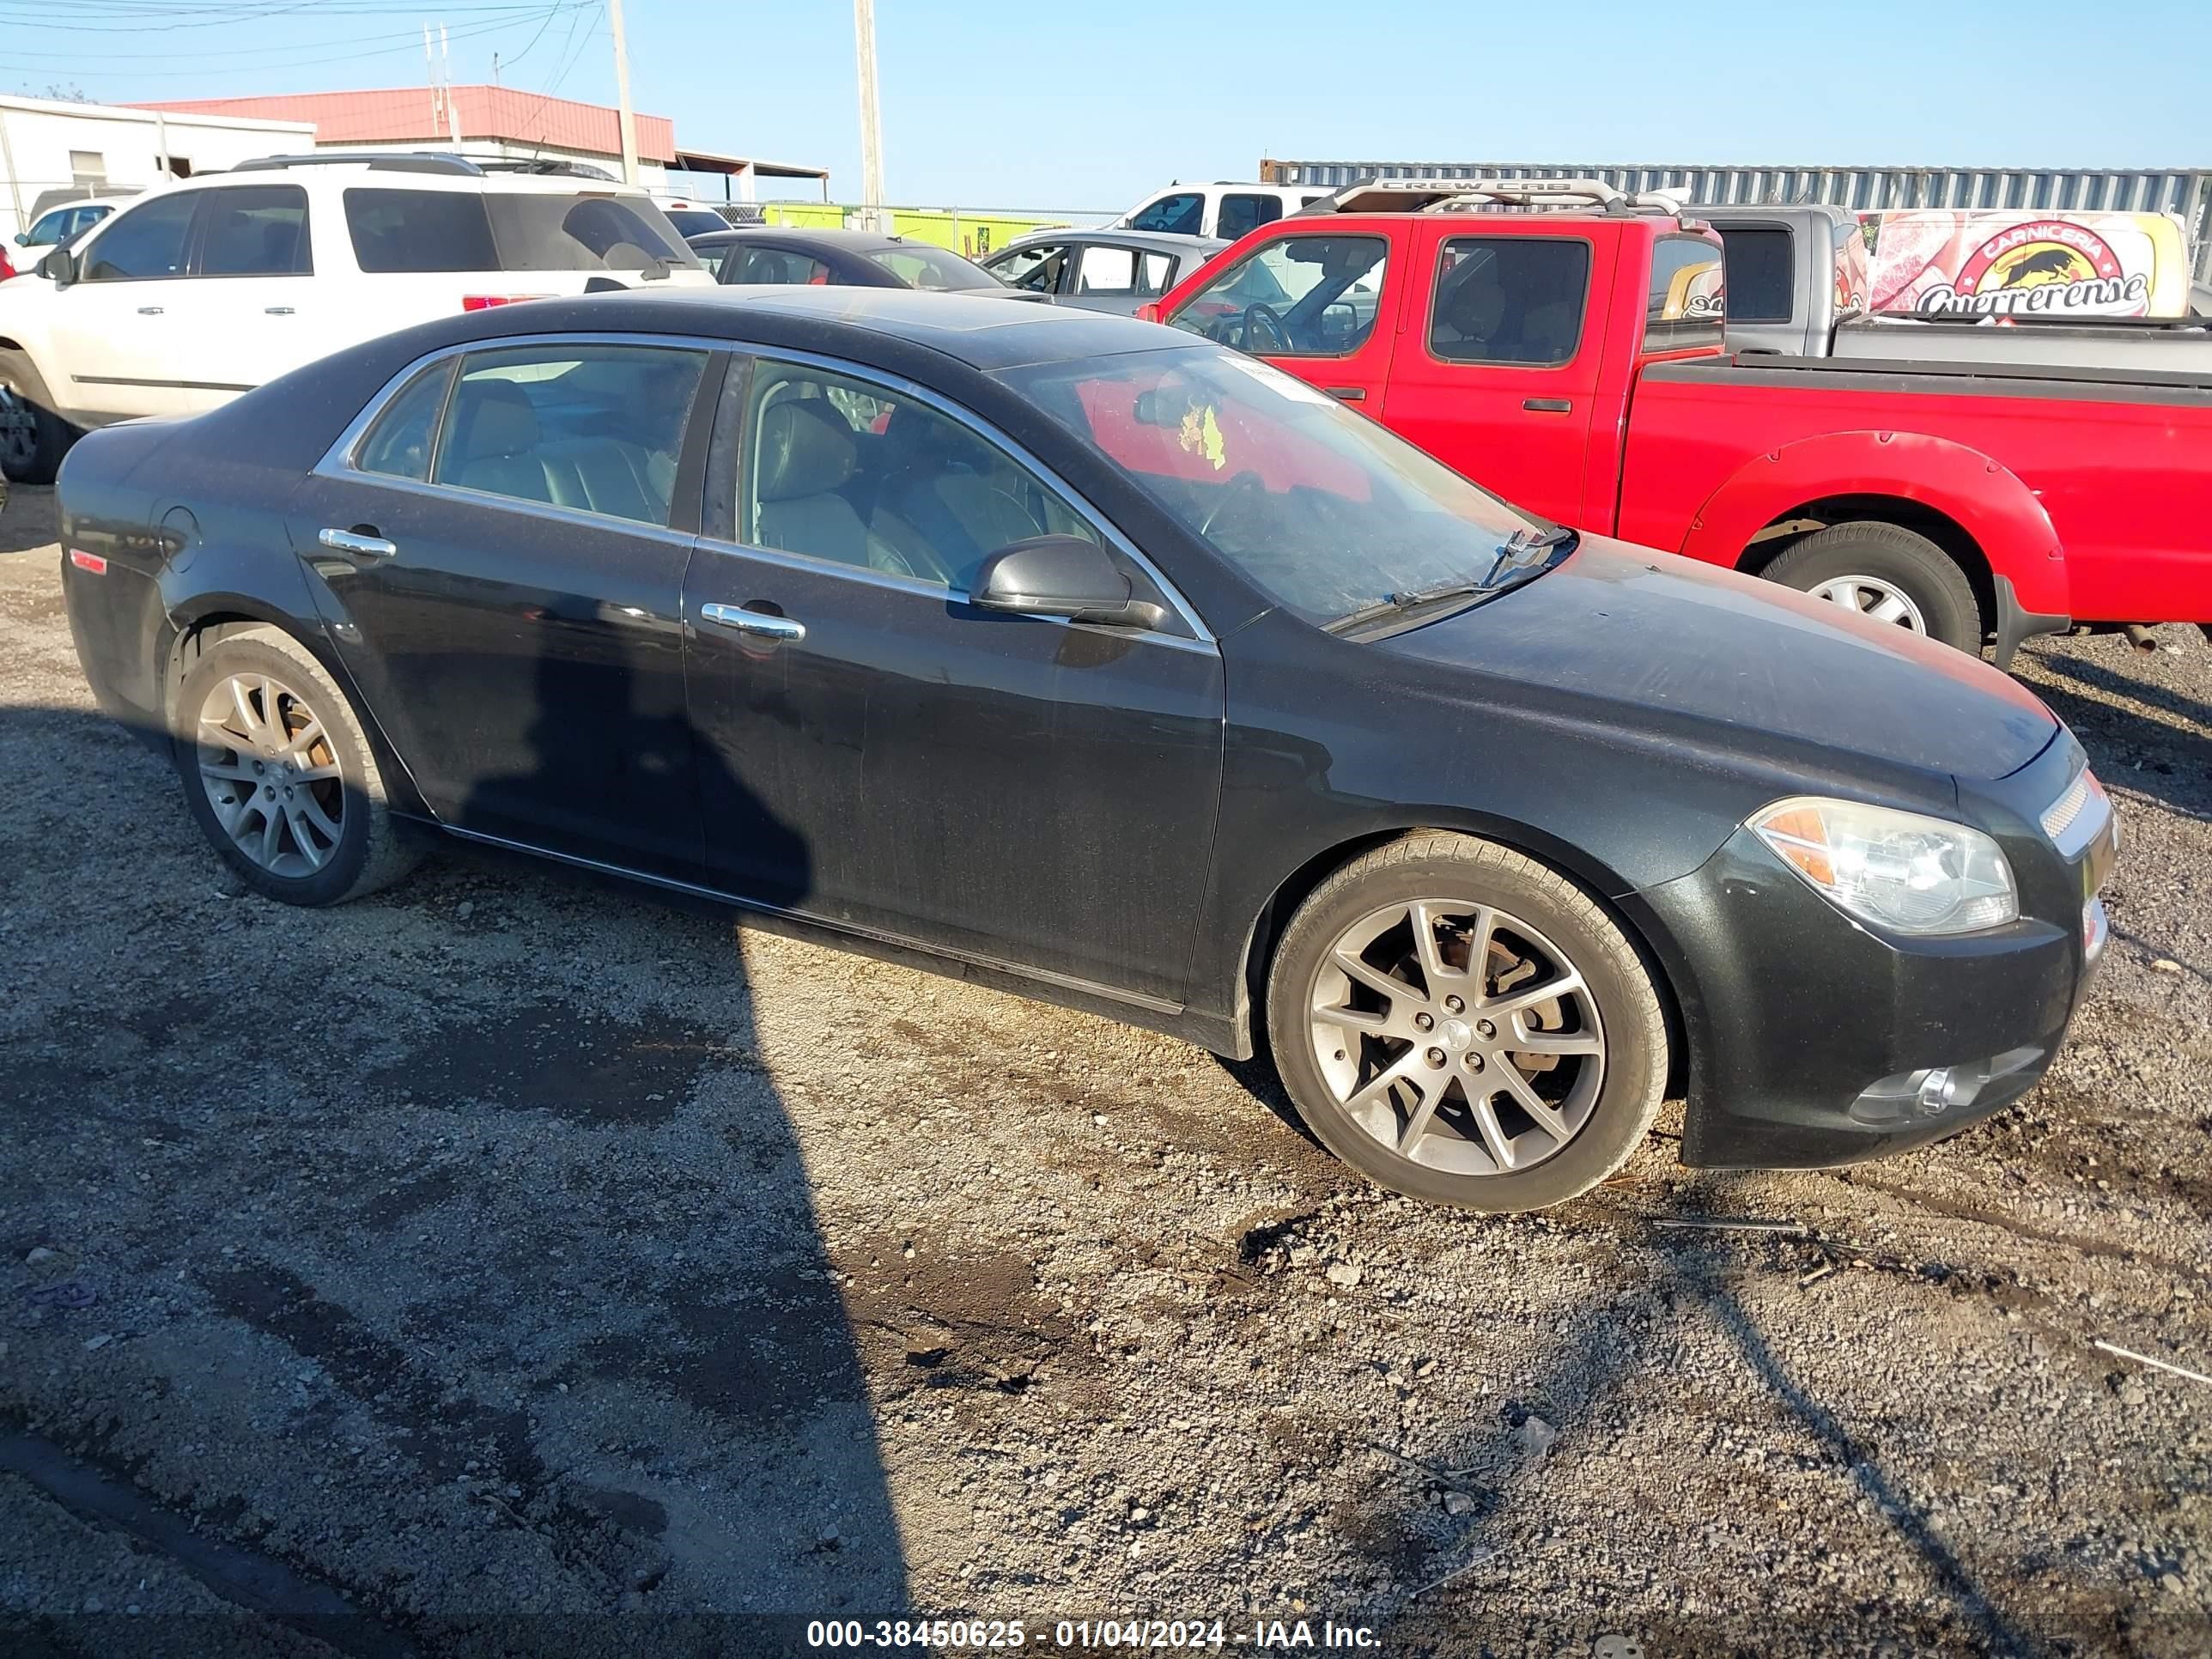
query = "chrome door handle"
{"x": 275, "y": 310}
{"x": 149, "y": 310}
{"x": 361, "y": 547}
{"x": 754, "y": 622}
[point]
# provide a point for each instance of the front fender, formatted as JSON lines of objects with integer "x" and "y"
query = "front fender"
{"x": 1984, "y": 498}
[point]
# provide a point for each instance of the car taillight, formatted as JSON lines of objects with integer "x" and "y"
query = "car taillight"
{"x": 84, "y": 561}
{"x": 486, "y": 302}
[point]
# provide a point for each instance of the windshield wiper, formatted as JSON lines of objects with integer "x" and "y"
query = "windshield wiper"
{"x": 1531, "y": 550}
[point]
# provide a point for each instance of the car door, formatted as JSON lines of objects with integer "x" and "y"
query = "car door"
{"x": 1318, "y": 300}
{"x": 251, "y": 311}
{"x": 116, "y": 327}
{"x": 501, "y": 560}
{"x": 1111, "y": 277}
{"x": 1498, "y": 370}
{"x": 1018, "y": 791}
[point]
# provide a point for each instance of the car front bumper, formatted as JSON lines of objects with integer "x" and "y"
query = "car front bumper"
{"x": 1814, "y": 1040}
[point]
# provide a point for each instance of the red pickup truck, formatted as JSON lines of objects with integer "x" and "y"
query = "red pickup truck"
{"x": 1573, "y": 361}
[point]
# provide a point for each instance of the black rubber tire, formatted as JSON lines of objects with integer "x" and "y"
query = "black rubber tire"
{"x": 1911, "y": 563}
{"x": 1443, "y": 863}
{"x": 52, "y": 437}
{"x": 373, "y": 848}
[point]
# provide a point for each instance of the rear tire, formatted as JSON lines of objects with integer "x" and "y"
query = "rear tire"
{"x": 36, "y": 458}
{"x": 1433, "y": 1068}
{"x": 1881, "y": 564}
{"x": 279, "y": 775}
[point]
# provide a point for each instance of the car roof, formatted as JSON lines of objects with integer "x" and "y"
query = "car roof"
{"x": 982, "y": 331}
{"x": 1158, "y": 240}
{"x": 854, "y": 241}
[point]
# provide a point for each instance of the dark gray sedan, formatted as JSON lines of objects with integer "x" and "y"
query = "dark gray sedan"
{"x": 1115, "y": 271}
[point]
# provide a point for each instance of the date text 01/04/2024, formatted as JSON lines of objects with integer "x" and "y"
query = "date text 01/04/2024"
{"x": 1089, "y": 1634}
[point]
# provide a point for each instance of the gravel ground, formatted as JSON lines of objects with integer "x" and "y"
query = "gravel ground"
{"x": 513, "y": 1263}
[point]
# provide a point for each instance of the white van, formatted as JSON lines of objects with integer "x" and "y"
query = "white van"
{"x": 193, "y": 292}
{"x": 1223, "y": 209}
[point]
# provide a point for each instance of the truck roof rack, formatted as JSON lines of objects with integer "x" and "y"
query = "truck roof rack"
{"x": 413, "y": 161}
{"x": 1458, "y": 195}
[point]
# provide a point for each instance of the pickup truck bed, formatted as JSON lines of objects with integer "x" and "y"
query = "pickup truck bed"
{"x": 2098, "y": 509}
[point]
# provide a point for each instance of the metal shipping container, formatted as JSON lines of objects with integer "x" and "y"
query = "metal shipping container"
{"x": 2187, "y": 192}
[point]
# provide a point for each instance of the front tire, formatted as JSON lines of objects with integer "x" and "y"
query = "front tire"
{"x": 279, "y": 775}
{"x": 32, "y": 457}
{"x": 1464, "y": 1025}
{"x": 1887, "y": 573}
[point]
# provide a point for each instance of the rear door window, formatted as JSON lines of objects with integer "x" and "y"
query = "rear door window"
{"x": 1244, "y": 212}
{"x": 590, "y": 428}
{"x": 256, "y": 230}
{"x": 1183, "y": 214}
{"x": 1296, "y": 296}
{"x": 1758, "y": 263}
{"x": 419, "y": 230}
{"x": 1684, "y": 307}
{"x": 146, "y": 242}
{"x": 1509, "y": 299}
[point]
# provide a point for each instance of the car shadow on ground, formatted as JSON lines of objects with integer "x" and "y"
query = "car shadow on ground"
{"x": 2157, "y": 753}
{"x": 1607, "y": 1351}
{"x": 570, "y": 1303}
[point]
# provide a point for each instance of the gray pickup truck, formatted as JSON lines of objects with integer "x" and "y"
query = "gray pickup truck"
{"x": 1782, "y": 298}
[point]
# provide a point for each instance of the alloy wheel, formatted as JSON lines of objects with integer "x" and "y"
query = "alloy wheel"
{"x": 1874, "y": 599}
{"x": 1457, "y": 1036}
{"x": 270, "y": 774}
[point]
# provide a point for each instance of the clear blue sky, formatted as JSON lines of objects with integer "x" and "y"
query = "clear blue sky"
{"x": 1028, "y": 103}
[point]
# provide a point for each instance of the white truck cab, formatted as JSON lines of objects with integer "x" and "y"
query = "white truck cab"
{"x": 1223, "y": 209}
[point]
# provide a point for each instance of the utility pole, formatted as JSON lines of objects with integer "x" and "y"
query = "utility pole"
{"x": 872, "y": 126}
{"x": 622, "y": 92}
{"x": 446, "y": 79}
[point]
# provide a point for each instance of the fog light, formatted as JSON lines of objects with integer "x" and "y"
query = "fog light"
{"x": 1932, "y": 1091}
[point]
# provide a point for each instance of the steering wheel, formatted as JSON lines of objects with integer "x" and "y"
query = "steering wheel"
{"x": 1255, "y": 314}
{"x": 1244, "y": 484}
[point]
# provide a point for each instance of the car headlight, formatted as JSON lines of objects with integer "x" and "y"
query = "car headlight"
{"x": 1896, "y": 870}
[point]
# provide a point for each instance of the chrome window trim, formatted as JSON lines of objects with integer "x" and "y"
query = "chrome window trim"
{"x": 466, "y": 496}
{"x": 338, "y": 461}
{"x": 898, "y": 385}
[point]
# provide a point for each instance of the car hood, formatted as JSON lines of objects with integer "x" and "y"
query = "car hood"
{"x": 1632, "y": 626}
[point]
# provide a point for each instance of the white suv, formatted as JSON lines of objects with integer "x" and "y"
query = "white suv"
{"x": 1223, "y": 210}
{"x": 201, "y": 290}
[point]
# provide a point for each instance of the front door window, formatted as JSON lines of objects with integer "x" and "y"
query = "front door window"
{"x": 1298, "y": 296}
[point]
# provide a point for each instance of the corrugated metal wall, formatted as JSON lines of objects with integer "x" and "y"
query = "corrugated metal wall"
{"x": 2188, "y": 193}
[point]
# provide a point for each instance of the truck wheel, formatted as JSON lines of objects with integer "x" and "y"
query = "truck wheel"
{"x": 1887, "y": 573}
{"x": 31, "y": 455}
{"x": 1464, "y": 1025}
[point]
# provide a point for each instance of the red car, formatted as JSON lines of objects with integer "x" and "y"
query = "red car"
{"x": 1573, "y": 362}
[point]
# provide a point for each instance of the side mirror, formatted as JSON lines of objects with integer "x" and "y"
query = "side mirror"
{"x": 58, "y": 267}
{"x": 1062, "y": 576}
{"x": 22, "y": 239}
{"x": 1149, "y": 312}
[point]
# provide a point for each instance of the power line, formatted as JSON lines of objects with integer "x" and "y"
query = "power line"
{"x": 544, "y": 16}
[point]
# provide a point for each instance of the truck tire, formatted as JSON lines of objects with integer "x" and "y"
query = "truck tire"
{"x": 32, "y": 459}
{"x": 1466, "y": 1025}
{"x": 1889, "y": 574}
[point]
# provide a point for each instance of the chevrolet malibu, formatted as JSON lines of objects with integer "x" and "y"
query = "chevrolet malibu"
{"x": 1066, "y": 652}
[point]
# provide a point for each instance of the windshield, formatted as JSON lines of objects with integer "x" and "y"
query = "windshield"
{"x": 1321, "y": 508}
{"x": 920, "y": 266}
